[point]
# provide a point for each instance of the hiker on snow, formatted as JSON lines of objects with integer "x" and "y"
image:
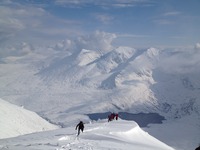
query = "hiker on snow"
{"x": 198, "y": 148}
{"x": 80, "y": 126}
{"x": 112, "y": 117}
{"x": 116, "y": 116}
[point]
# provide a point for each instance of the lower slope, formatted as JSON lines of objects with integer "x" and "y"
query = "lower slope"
{"x": 15, "y": 121}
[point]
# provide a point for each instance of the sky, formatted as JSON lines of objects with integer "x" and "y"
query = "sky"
{"x": 135, "y": 23}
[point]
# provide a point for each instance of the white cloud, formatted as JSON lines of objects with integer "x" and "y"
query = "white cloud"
{"x": 9, "y": 24}
{"x": 19, "y": 23}
{"x": 172, "y": 13}
{"x": 70, "y": 3}
{"x": 197, "y": 46}
{"x": 167, "y": 18}
{"x": 17, "y": 50}
{"x": 123, "y": 5}
{"x": 134, "y": 36}
{"x": 181, "y": 61}
{"x": 17, "y": 19}
{"x": 101, "y": 41}
{"x": 104, "y": 18}
{"x": 97, "y": 41}
{"x": 26, "y": 23}
{"x": 104, "y": 3}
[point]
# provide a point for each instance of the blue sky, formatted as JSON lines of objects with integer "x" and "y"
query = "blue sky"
{"x": 136, "y": 23}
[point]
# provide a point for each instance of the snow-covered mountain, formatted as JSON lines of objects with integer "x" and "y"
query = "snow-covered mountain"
{"x": 63, "y": 83}
{"x": 17, "y": 121}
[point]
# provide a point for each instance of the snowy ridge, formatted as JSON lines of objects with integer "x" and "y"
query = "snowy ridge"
{"x": 17, "y": 121}
{"x": 116, "y": 135}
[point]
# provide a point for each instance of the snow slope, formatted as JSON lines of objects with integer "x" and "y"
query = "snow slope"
{"x": 116, "y": 135}
{"x": 15, "y": 121}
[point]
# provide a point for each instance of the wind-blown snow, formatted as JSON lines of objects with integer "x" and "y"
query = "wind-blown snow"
{"x": 15, "y": 121}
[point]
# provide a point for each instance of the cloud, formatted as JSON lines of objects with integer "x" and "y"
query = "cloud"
{"x": 18, "y": 19}
{"x": 181, "y": 61}
{"x": 124, "y": 4}
{"x": 104, "y": 3}
{"x": 105, "y": 19}
{"x": 172, "y": 13}
{"x": 168, "y": 18}
{"x": 9, "y": 24}
{"x": 24, "y": 22}
{"x": 97, "y": 41}
{"x": 101, "y": 41}
{"x": 73, "y": 3}
{"x": 197, "y": 46}
{"x": 134, "y": 36}
{"x": 20, "y": 22}
{"x": 17, "y": 50}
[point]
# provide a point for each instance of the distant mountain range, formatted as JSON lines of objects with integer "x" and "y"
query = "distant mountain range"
{"x": 122, "y": 79}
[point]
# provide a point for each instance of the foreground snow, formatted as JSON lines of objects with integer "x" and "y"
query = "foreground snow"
{"x": 15, "y": 121}
{"x": 120, "y": 135}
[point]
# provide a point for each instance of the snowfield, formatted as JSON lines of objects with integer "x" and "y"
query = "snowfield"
{"x": 116, "y": 135}
{"x": 16, "y": 121}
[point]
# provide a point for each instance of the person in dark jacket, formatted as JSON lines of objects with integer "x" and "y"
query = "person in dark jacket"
{"x": 198, "y": 148}
{"x": 116, "y": 116}
{"x": 80, "y": 126}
